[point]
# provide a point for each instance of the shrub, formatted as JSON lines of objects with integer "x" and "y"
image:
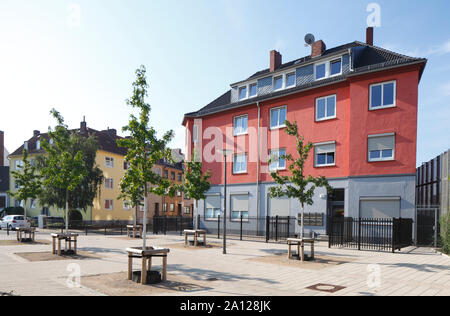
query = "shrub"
{"x": 445, "y": 233}
{"x": 75, "y": 215}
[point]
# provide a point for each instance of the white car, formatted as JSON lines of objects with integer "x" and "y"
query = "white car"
{"x": 15, "y": 221}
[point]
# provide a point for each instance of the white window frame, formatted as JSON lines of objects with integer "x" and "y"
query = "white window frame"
{"x": 188, "y": 208}
{"x": 111, "y": 205}
{"x": 272, "y": 152}
{"x": 38, "y": 145}
{"x": 246, "y": 163}
{"x": 326, "y": 118}
{"x": 111, "y": 162}
{"x": 111, "y": 180}
{"x": 270, "y": 117}
{"x": 282, "y": 82}
{"x": 172, "y": 207}
{"x": 369, "y": 159}
{"x": 371, "y": 108}
{"x": 126, "y": 205}
{"x": 18, "y": 164}
{"x": 285, "y": 79}
{"x": 214, "y": 210}
{"x": 247, "y": 94}
{"x": 327, "y": 64}
{"x": 316, "y": 165}
{"x": 234, "y": 125}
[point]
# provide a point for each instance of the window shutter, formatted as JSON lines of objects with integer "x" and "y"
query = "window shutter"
{"x": 213, "y": 201}
{"x": 381, "y": 143}
{"x": 324, "y": 149}
{"x": 239, "y": 203}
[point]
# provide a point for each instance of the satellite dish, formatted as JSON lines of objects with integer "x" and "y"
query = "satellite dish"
{"x": 309, "y": 39}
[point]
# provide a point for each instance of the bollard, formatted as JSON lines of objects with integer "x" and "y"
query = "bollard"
{"x": 218, "y": 227}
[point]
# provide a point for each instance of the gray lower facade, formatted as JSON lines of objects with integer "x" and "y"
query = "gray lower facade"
{"x": 357, "y": 197}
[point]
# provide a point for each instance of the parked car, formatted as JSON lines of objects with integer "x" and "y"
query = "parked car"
{"x": 15, "y": 221}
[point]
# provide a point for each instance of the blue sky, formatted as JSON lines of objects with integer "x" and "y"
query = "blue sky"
{"x": 193, "y": 50}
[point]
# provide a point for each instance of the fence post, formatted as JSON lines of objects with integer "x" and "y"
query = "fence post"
{"x": 436, "y": 226}
{"x": 267, "y": 229}
{"x": 181, "y": 225}
{"x": 198, "y": 221}
{"x": 276, "y": 228}
{"x": 218, "y": 227}
{"x": 359, "y": 234}
{"x": 394, "y": 233}
{"x": 288, "y": 223}
{"x": 165, "y": 225}
{"x": 330, "y": 231}
{"x": 242, "y": 218}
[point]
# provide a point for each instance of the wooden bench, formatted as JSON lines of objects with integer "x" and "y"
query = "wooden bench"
{"x": 25, "y": 231}
{"x": 68, "y": 238}
{"x": 146, "y": 256}
{"x": 135, "y": 230}
{"x": 300, "y": 243}
{"x": 196, "y": 233}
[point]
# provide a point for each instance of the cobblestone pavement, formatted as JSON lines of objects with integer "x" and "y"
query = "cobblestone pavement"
{"x": 414, "y": 271}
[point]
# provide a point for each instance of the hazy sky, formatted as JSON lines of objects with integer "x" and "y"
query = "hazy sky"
{"x": 80, "y": 56}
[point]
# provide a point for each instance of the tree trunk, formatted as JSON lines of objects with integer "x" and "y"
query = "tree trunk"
{"x": 144, "y": 228}
{"x": 67, "y": 211}
{"x": 303, "y": 222}
{"x": 25, "y": 209}
{"x": 195, "y": 215}
{"x": 135, "y": 216}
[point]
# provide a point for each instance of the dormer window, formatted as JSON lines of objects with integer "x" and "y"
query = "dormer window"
{"x": 328, "y": 69}
{"x": 290, "y": 80}
{"x": 253, "y": 90}
{"x": 243, "y": 93}
{"x": 278, "y": 83}
{"x": 38, "y": 145}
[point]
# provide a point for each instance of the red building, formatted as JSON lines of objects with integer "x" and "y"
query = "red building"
{"x": 357, "y": 103}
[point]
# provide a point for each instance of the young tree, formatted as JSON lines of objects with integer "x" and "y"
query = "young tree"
{"x": 196, "y": 183}
{"x": 84, "y": 194}
{"x": 144, "y": 151}
{"x": 28, "y": 182}
{"x": 297, "y": 185}
{"x": 61, "y": 167}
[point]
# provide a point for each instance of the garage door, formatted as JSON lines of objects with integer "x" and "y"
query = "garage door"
{"x": 383, "y": 207}
{"x": 279, "y": 207}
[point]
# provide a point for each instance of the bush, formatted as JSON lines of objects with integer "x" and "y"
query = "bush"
{"x": 14, "y": 211}
{"x": 445, "y": 233}
{"x": 75, "y": 215}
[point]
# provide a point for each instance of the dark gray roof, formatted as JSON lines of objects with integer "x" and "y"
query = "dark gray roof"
{"x": 365, "y": 58}
{"x": 4, "y": 179}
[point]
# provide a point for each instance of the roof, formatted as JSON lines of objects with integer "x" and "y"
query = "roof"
{"x": 4, "y": 179}
{"x": 107, "y": 141}
{"x": 366, "y": 58}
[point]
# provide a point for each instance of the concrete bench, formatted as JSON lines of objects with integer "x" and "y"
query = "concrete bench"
{"x": 146, "y": 256}
{"x": 300, "y": 243}
{"x": 69, "y": 238}
{"x": 196, "y": 233}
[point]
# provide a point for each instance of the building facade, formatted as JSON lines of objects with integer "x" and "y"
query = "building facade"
{"x": 432, "y": 189}
{"x": 4, "y": 174}
{"x": 357, "y": 103}
{"x": 110, "y": 159}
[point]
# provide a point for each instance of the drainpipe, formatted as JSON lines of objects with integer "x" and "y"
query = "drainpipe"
{"x": 258, "y": 164}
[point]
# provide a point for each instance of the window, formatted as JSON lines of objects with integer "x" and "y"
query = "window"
{"x": 240, "y": 163}
{"x": 278, "y": 83}
{"x": 243, "y": 93}
{"x": 172, "y": 175}
{"x": 321, "y": 71}
{"x": 16, "y": 186}
{"x": 126, "y": 205}
{"x": 187, "y": 210}
{"x": 165, "y": 207}
{"x": 18, "y": 164}
{"x": 240, "y": 125}
{"x": 38, "y": 145}
{"x": 109, "y": 183}
{"x": 290, "y": 79}
{"x": 325, "y": 154}
{"x": 109, "y": 204}
{"x": 277, "y": 162}
{"x": 382, "y": 95}
{"x": 239, "y": 206}
{"x": 212, "y": 207}
{"x": 33, "y": 204}
{"x": 328, "y": 69}
{"x": 178, "y": 193}
{"x": 2, "y": 202}
{"x": 195, "y": 134}
{"x": 278, "y": 117}
{"x": 253, "y": 90}
{"x": 381, "y": 147}
{"x": 172, "y": 207}
{"x": 126, "y": 165}
{"x": 180, "y": 177}
{"x": 166, "y": 174}
{"x": 335, "y": 67}
{"x": 109, "y": 162}
{"x": 326, "y": 108}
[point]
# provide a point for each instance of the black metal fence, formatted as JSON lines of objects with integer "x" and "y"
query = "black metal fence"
{"x": 157, "y": 225}
{"x": 264, "y": 228}
{"x": 428, "y": 226}
{"x": 376, "y": 234}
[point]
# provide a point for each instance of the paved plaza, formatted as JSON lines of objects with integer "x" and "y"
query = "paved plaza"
{"x": 249, "y": 268}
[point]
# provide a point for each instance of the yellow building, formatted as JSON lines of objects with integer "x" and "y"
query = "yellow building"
{"x": 111, "y": 160}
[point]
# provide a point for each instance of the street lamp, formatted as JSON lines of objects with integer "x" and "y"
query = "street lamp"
{"x": 225, "y": 153}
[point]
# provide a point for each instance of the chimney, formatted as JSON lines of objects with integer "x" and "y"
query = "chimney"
{"x": 369, "y": 36}
{"x": 317, "y": 48}
{"x": 275, "y": 60}
{"x": 83, "y": 126}
{"x": 2, "y": 149}
{"x": 36, "y": 133}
